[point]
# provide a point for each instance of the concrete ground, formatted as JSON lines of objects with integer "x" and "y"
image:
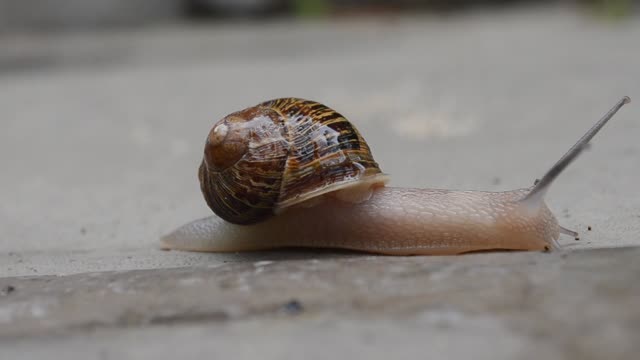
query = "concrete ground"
{"x": 102, "y": 134}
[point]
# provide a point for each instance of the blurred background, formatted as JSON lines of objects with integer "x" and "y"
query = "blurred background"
{"x": 104, "y": 104}
{"x": 79, "y": 14}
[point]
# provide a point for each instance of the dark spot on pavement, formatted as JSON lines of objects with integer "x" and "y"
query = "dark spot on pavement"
{"x": 293, "y": 307}
{"x": 7, "y": 290}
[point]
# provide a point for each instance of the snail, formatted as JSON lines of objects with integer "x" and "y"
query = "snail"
{"x": 294, "y": 173}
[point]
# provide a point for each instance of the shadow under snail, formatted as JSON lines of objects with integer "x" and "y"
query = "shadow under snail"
{"x": 294, "y": 173}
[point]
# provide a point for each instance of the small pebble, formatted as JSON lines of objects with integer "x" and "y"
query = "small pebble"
{"x": 589, "y": 228}
{"x": 293, "y": 307}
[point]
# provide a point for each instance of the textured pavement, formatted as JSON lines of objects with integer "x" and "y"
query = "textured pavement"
{"x": 102, "y": 134}
{"x": 580, "y": 305}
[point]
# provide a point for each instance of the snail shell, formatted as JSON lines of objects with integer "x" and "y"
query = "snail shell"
{"x": 264, "y": 159}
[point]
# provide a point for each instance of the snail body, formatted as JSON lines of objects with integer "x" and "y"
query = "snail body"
{"x": 341, "y": 201}
{"x": 395, "y": 221}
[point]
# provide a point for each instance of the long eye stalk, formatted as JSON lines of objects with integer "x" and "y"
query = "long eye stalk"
{"x": 540, "y": 188}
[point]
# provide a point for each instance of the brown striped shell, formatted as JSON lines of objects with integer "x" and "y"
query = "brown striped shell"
{"x": 264, "y": 159}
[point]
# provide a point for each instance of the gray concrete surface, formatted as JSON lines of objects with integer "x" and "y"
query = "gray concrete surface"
{"x": 510, "y": 305}
{"x": 102, "y": 135}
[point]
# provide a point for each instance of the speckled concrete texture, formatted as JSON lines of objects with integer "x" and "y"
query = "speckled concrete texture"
{"x": 580, "y": 305}
{"x": 102, "y": 134}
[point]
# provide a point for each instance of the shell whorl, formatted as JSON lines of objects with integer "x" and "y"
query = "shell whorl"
{"x": 282, "y": 152}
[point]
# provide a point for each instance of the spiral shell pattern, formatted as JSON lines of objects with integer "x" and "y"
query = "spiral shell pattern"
{"x": 282, "y": 152}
